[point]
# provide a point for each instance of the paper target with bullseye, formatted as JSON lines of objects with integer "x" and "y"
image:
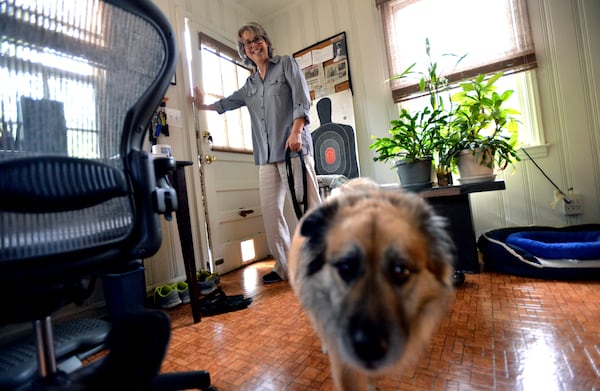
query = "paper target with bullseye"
{"x": 335, "y": 150}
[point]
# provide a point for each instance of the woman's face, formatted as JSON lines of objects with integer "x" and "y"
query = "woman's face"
{"x": 255, "y": 46}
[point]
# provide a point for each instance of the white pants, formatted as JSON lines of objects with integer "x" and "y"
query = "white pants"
{"x": 274, "y": 189}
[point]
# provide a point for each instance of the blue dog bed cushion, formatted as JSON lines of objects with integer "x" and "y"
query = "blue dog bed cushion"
{"x": 558, "y": 245}
{"x": 545, "y": 252}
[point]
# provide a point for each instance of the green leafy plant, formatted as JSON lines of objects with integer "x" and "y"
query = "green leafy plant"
{"x": 481, "y": 122}
{"x": 423, "y": 134}
{"x": 419, "y": 135}
{"x": 412, "y": 137}
{"x": 475, "y": 119}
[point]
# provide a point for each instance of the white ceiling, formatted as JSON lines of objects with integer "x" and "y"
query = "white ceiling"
{"x": 262, "y": 8}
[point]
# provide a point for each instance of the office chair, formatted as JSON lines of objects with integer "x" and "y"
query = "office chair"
{"x": 79, "y": 197}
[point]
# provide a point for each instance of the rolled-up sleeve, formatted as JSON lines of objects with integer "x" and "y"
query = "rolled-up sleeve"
{"x": 300, "y": 94}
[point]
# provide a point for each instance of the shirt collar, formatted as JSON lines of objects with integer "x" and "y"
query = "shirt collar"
{"x": 273, "y": 60}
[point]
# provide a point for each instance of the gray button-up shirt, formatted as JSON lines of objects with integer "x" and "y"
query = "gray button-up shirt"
{"x": 273, "y": 105}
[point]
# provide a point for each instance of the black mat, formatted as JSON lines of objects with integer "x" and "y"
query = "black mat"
{"x": 218, "y": 302}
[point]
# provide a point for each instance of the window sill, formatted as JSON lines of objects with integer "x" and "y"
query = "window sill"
{"x": 534, "y": 151}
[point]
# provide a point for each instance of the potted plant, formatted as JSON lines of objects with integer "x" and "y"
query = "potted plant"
{"x": 411, "y": 146}
{"x": 445, "y": 162}
{"x": 417, "y": 138}
{"x": 483, "y": 129}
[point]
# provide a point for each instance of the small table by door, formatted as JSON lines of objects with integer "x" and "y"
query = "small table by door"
{"x": 185, "y": 236}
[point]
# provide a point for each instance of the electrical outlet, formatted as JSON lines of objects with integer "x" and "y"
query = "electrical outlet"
{"x": 575, "y": 207}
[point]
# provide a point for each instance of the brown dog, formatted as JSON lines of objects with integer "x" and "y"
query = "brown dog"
{"x": 372, "y": 268}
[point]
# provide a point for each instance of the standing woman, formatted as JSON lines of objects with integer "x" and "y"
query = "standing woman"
{"x": 277, "y": 98}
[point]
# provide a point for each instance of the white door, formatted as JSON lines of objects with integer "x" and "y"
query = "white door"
{"x": 227, "y": 196}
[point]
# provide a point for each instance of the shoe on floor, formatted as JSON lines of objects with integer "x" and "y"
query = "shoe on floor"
{"x": 166, "y": 297}
{"x": 207, "y": 287}
{"x": 271, "y": 277}
{"x": 219, "y": 303}
{"x": 205, "y": 275}
{"x": 207, "y": 282}
{"x": 183, "y": 291}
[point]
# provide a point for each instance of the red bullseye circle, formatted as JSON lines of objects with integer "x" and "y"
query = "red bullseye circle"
{"x": 330, "y": 157}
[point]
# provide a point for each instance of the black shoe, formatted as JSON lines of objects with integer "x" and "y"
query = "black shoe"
{"x": 271, "y": 277}
{"x": 219, "y": 303}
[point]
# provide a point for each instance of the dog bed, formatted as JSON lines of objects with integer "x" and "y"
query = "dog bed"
{"x": 571, "y": 252}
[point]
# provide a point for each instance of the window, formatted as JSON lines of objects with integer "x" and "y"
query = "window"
{"x": 464, "y": 28}
{"x": 522, "y": 100}
{"x": 53, "y": 76}
{"x": 222, "y": 74}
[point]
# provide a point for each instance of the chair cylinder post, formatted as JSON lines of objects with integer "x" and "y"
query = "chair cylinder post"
{"x": 45, "y": 347}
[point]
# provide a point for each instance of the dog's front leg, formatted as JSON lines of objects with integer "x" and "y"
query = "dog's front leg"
{"x": 344, "y": 377}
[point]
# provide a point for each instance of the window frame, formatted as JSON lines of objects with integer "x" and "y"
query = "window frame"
{"x": 520, "y": 57}
{"x": 241, "y": 116}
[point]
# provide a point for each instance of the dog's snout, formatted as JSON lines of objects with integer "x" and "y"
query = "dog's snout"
{"x": 370, "y": 340}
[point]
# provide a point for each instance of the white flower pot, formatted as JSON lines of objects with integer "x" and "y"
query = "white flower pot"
{"x": 472, "y": 170}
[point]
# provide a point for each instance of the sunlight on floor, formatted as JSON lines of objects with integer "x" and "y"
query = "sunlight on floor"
{"x": 539, "y": 368}
{"x": 250, "y": 278}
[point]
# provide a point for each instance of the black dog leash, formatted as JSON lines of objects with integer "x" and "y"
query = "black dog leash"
{"x": 290, "y": 176}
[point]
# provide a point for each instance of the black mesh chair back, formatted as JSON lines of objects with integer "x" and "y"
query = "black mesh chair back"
{"x": 81, "y": 81}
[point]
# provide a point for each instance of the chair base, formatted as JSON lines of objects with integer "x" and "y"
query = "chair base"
{"x": 76, "y": 339}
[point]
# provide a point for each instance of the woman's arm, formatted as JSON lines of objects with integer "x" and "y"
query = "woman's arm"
{"x": 294, "y": 141}
{"x": 300, "y": 94}
{"x": 198, "y": 100}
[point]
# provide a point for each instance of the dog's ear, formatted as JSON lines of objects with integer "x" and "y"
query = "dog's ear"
{"x": 314, "y": 228}
{"x": 314, "y": 225}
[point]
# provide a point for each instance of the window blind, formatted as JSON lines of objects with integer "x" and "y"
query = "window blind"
{"x": 494, "y": 35}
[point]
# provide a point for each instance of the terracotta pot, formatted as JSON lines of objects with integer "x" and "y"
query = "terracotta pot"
{"x": 444, "y": 179}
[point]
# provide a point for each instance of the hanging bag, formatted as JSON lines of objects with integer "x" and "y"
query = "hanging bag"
{"x": 290, "y": 176}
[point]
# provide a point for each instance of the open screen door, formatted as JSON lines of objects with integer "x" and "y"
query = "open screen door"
{"x": 229, "y": 195}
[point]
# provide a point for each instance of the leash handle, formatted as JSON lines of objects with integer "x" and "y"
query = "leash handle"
{"x": 290, "y": 176}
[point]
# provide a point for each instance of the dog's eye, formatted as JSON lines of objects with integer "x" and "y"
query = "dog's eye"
{"x": 398, "y": 266}
{"x": 348, "y": 268}
{"x": 399, "y": 274}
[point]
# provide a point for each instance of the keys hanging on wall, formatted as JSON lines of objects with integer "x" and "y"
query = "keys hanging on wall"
{"x": 159, "y": 123}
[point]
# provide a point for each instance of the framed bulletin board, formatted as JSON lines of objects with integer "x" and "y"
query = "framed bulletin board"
{"x": 325, "y": 66}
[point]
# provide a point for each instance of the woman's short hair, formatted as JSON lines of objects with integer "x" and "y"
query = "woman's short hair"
{"x": 258, "y": 31}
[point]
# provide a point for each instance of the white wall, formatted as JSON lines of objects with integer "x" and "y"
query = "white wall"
{"x": 567, "y": 41}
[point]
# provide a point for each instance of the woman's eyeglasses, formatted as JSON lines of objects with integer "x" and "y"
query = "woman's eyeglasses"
{"x": 256, "y": 40}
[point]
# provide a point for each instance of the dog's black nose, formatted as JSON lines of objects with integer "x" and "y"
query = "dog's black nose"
{"x": 370, "y": 340}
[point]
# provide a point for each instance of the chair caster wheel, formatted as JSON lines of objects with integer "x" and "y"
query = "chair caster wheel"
{"x": 458, "y": 278}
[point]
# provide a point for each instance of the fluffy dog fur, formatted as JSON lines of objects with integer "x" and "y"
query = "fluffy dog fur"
{"x": 372, "y": 268}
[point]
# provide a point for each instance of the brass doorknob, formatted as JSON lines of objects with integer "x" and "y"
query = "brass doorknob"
{"x": 209, "y": 158}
